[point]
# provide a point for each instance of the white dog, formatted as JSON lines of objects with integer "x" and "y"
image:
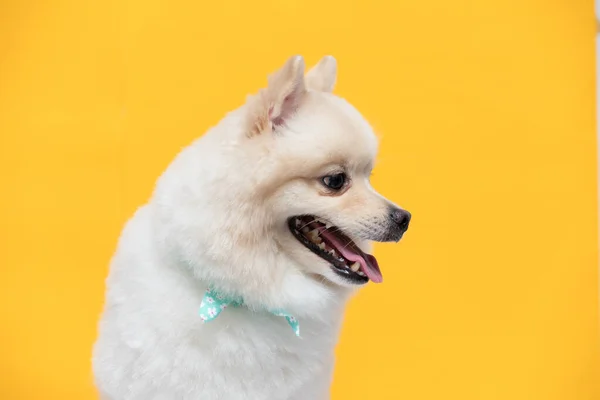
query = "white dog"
{"x": 231, "y": 282}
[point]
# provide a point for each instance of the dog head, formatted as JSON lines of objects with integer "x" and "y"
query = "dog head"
{"x": 279, "y": 192}
{"x": 320, "y": 154}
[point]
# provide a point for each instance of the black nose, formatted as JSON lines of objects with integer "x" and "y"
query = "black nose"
{"x": 401, "y": 218}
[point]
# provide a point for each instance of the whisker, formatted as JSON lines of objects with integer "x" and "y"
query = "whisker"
{"x": 304, "y": 226}
{"x": 350, "y": 241}
{"x": 347, "y": 242}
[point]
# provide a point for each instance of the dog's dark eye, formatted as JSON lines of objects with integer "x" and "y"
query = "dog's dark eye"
{"x": 334, "y": 182}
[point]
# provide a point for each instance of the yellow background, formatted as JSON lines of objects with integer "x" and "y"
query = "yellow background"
{"x": 486, "y": 112}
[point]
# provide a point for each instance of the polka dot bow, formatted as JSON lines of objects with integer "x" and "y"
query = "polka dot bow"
{"x": 213, "y": 303}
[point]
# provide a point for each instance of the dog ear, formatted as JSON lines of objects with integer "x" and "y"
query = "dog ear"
{"x": 322, "y": 76}
{"x": 287, "y": 89}
{"x": 280, "y": 99}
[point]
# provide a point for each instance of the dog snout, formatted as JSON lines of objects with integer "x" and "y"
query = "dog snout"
{"x": 400, "y": 219}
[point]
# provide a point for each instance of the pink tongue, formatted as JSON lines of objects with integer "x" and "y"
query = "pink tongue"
{"x": 368, "y": 263}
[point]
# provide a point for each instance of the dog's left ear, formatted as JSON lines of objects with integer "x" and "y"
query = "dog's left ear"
{"x": 280, "y": 99}
{"x": 322, "y": 76}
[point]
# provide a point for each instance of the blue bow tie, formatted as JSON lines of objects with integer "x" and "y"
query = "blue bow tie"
{"x": 214, "y": 302}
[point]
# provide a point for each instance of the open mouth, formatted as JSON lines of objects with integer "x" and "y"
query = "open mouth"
{"x": 332, "y": 245}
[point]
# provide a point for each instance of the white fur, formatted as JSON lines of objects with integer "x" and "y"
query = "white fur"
{"x": 218, "y": 216}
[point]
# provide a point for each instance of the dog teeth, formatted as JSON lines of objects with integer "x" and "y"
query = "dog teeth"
{"x": 322, "y": 246}
{"x": 355, "y": 267}
{"x": 360, "y": 273}
{"x": 314, "y": 235}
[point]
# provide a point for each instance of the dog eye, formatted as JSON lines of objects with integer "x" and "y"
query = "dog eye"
{"x": 334, "y": 182}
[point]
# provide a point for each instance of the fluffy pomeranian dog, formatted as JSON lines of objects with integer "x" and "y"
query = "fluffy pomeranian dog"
{"x": 231, "y": 282}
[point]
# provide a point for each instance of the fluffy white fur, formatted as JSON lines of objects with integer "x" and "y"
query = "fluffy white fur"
{"x": 219, "y": 216}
